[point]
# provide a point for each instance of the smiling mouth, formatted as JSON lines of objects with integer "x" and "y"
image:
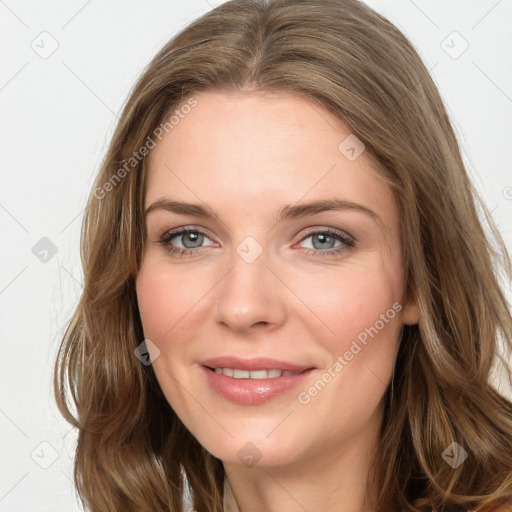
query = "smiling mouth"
{"x": 254, "y": 385}
{"x": 271, "y": 373}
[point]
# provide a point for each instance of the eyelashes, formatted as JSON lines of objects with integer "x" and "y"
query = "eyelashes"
{"x": 323, "y": 236}
{"x": 168, "y": 237}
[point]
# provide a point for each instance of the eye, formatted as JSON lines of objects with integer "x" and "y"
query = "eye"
{"x": 191, "y": 240}
{"x": 323, "y": 242}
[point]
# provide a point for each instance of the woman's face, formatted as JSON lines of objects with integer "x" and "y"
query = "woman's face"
{"x": 269, "y": 282}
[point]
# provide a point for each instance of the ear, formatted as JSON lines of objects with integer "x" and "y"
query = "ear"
{"x": 411, "y": 312}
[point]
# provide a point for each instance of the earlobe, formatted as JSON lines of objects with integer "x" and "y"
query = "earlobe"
{"x": 411, "y": 313}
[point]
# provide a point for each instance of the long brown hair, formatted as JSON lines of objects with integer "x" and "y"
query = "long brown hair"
{"x": 350, "y": 60}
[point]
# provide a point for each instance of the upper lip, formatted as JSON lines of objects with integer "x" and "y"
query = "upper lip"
{"x": 255, "y": 363}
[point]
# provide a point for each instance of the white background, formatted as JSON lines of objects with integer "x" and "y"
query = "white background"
{"x": 58, "y": 114}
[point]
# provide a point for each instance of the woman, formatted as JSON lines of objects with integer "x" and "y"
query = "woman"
{"x": 289, "y": 300}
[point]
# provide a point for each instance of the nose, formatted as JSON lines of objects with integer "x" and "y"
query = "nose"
{"x": 251, "y": 295}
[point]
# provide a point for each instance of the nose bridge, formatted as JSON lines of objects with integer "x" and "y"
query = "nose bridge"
{"x": 249, "y": 292}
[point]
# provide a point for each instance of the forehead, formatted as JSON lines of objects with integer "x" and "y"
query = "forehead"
{"x": 263, "y": 150}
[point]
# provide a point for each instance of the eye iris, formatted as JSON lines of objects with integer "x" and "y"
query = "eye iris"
{"x": 323, "y": 238}
{"x": 195, "y": 237}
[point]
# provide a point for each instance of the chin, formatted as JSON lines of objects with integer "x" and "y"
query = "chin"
{"x": 252, "y": 446}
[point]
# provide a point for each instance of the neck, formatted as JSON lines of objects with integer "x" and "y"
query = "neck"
{"x": 335, "y": 478}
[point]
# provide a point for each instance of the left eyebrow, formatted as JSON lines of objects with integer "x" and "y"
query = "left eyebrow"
{"x": 311, "y": 208}
{"x": 288, "y": 211}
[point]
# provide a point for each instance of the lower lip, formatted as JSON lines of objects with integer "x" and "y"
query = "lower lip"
{"x": 252, "y": 391}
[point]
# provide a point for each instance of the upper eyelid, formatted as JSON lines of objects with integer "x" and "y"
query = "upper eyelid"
{"x": 184, "y": 230}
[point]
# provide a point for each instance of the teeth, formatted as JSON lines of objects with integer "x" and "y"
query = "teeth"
{"x": 258, "y": 374}
{"x": 241, "y": 374}
{"x": 254, "y": 374}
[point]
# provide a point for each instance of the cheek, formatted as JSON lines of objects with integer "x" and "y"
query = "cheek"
{"x": 364, "y": 312}
{"x": 361, "y": 308}
{"x": 352, "y": 301}
{"x": 166, "y": 299}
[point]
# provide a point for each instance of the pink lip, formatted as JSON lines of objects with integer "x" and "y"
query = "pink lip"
{"x": 252, "y": 391}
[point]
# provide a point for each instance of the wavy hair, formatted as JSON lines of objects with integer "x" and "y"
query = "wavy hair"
{"x": 343, "y": 56}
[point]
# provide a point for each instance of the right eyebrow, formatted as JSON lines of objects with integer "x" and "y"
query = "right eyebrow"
{"x": 181, "y": 208}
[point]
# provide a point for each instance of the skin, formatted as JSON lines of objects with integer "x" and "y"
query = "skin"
{"x": 245, "y": 155}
